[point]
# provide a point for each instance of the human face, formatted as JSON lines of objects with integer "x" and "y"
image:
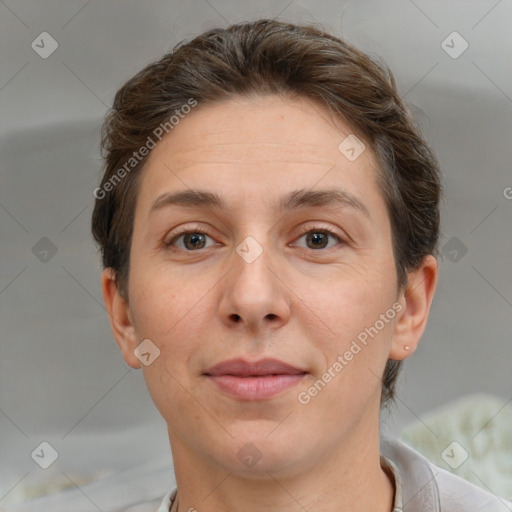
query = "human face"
{"x": 303, "y": 300}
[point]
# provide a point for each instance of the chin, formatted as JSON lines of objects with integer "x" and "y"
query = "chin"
{"x": 257, "y": 453}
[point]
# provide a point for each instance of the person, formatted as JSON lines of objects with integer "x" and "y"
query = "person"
{"x": 268, "y": 220}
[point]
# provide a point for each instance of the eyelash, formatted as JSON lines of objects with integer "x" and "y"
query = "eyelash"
{"x": 305, "y": 230}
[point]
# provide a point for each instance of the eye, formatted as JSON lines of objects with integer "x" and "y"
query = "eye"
{"x": 318, "y": 237}
{"x": 192, "y": 240}
{"x": 195, "y": 239}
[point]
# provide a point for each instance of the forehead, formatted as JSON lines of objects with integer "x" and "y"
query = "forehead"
{"x": 255, "y": 146}
{"x": 285, "y": 128}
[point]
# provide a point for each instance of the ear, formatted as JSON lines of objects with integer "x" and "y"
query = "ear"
{"x": 415, "y": 299}
{"x": 121, "y": 320}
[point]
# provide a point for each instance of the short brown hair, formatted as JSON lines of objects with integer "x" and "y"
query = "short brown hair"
{"x": 271, "y": 57}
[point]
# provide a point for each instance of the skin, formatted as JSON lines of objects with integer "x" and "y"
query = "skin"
{"x": 295, "y": 302}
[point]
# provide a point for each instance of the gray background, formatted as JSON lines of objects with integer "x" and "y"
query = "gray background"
{"x": 62, "y": 377}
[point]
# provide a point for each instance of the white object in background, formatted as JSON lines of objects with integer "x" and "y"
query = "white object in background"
{"x": 470, "y": 437}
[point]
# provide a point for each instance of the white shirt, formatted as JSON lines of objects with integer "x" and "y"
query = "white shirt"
{"x": 420, "y": 486}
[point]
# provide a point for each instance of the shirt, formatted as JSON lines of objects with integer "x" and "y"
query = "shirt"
{"x": 420, "y": 486}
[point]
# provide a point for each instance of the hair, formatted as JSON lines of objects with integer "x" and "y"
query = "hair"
{"x": 271, "y": 57}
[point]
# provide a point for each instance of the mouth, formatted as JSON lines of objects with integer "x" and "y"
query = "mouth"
{"x": 257, "y": 380}
{"x": 255, "y": 387}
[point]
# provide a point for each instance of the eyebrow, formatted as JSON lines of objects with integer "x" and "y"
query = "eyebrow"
{"x": 303, "y": 198}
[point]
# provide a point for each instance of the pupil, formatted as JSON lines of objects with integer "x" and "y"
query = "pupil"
{"x": 194, "y": 238}
{"x": 316, "y": 237}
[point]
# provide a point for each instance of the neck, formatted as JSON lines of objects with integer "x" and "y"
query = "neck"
{"x": 345, "y": 479}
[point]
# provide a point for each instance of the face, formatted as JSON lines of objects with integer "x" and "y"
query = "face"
{"x": 254, "y": 277}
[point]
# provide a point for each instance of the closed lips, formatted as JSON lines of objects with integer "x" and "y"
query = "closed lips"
{"x": 244, "y": 368}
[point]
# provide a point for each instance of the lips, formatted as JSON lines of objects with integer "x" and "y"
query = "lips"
{"x": 243, "y": 368}
{"x": 257, "y": 380}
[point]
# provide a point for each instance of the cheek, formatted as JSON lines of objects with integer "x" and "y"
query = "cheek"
{"x": 174, "y": 316}
{"x": 354, "y": 360}
{"x": 166, "y": 388}
{"x": 356, "y": 348}
{"x": 158, "y": 301}
{"x": 168, "y": 318}
{"x": 347, "y": 306}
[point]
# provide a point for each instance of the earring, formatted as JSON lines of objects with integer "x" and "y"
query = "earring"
{"x": 407, "y": 347}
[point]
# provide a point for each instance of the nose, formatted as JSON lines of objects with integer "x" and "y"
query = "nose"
{"x": 255, "y": 296}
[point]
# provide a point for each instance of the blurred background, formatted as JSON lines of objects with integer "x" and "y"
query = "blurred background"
{"x": 62, "y": 378}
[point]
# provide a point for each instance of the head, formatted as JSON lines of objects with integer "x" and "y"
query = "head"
{"x": 251, "y": 113}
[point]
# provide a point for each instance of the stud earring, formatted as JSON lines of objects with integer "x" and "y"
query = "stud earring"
{"x": 407, "y": 347}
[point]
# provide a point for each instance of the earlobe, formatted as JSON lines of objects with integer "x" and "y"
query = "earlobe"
{"x": 121, "y": 320}
{"x": 416, "y": 300}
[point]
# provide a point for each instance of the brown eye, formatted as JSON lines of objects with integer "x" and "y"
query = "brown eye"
{"x": 192, "y": 240}
{"x": 319, "y": 238}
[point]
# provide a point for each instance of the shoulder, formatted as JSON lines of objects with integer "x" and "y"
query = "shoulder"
{"x": 429, "y": 488}
{"x": 459, "y": 495}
